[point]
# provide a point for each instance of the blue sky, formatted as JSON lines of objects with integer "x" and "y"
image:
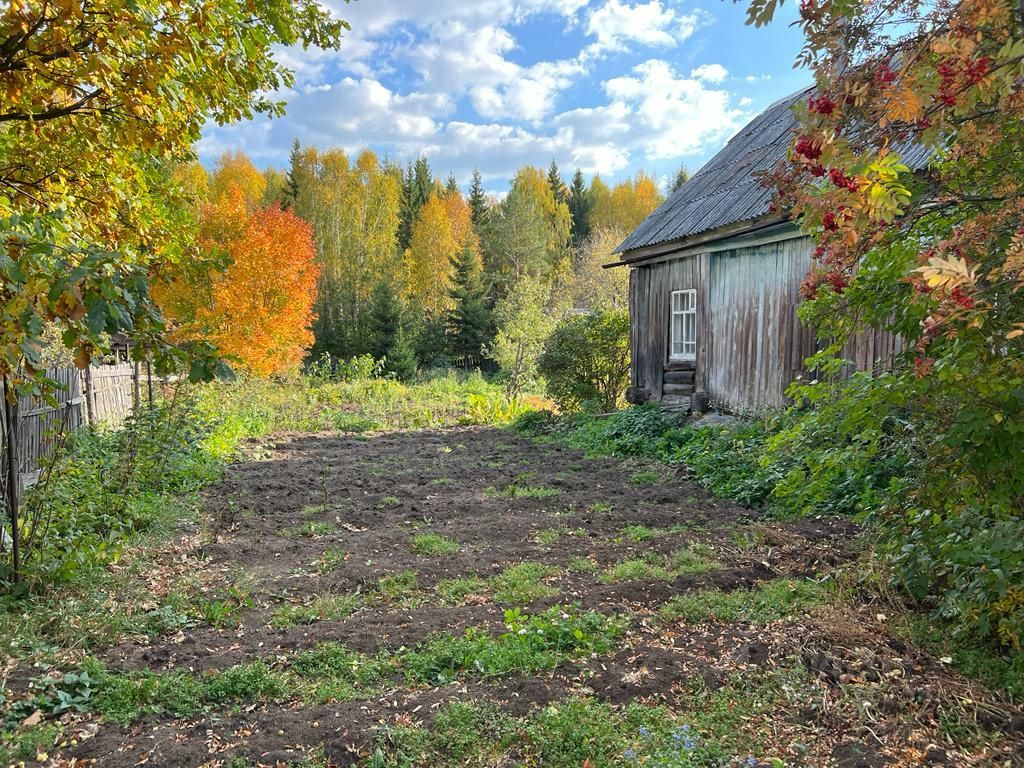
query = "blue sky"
{"x": 609, "y": 86}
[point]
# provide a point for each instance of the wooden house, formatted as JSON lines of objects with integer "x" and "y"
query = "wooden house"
{"x": 714, "y": 284}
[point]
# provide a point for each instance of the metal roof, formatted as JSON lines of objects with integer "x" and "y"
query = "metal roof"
{"x": 726, "y": 191}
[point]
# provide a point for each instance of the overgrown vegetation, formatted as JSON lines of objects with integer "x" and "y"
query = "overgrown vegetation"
{"x": 855, "y": 453}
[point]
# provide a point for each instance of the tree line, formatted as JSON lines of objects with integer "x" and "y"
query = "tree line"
{"x": 404, "y": 266}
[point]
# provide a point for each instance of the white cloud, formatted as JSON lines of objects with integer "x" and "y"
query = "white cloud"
{"x": 673, "y": 116}
{"x": 616, "y": 24}
{"x": 710, "y": 73}
{"x": 465, "y": 60}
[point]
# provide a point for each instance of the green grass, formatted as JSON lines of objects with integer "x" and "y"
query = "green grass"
{"x": 517, "y": 491}
{"x": 769, "y": 602}
{"x": 389, "y": 501}
{"x": 531, "y": 644}
{"x": 399, "y": 586}
{"x": 320, "y": 608}
{"x": 330, "y": 559}
{"x": 523, "y": 583}
{"x": 652, "y": 567}
{"x": 455, "y": 591}
{"x": 580, "y": 564}
{"x": 647, "y": 477}
{"x": 433, "y": 545}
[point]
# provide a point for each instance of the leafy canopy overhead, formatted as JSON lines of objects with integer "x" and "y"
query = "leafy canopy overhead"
{"x": 99, "y": 100}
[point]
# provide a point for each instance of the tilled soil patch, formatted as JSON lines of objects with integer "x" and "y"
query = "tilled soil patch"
{"x": 314, "y": 517}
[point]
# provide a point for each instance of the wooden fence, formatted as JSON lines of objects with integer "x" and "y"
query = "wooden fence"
{"x": 101, "y": 394}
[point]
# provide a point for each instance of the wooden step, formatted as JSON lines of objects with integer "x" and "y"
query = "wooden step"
{"x": 681, "y": 390}
{"x": 675, "y": 403}
{"x": 679, "y": 377}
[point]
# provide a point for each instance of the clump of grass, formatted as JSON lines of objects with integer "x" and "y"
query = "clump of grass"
{"x": 517, "y": 491}
{"x": 532, "y": 643}
{"x": 433, "y": 545}
{"x": 600, "y": 507}
{"x": 694, "y": 560}
{"x": 641, "y": 533}
{"x": 771, "y": 601}
{"x": 320, "y": 608}
{"x": 389, "y": 501}
{"x": 314, "y": 510}
{"x": 646, "y": 477}
{"x": 637, "y": 569}
{"x": 455, "y": 591}
{"x": 310, "y": 529}
{"x": 549, "y": 536}
{"x": 523, "y": 583}
{"x": 582, "y": 564}
{"x": 398, "y": 586}
{"x": 653, "y": 567}
{"x": 330, "y": 559}
{"x": 337, "y": 673}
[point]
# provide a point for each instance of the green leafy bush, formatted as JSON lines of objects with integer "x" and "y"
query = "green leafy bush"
{"x": 585, "y": 361}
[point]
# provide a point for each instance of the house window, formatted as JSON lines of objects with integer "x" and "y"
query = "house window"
{"x": 684, "y": 325}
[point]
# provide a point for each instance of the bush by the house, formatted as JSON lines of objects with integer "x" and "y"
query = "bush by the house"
{"x": 586, "y": 360}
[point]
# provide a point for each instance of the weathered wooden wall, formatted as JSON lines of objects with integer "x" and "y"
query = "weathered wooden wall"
{"x": 750, "y": 342}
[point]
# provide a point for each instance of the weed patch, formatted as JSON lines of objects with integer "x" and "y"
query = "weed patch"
{"x": 523, "y": 583}
{"x": 770, "y": 602}
{"x": 433, "y": 545}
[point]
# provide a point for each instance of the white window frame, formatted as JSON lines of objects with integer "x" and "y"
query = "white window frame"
{"x": 682, "y": 308}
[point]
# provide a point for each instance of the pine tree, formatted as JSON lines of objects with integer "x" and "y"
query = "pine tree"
{"x": 470, "y": 322}
{"x": 385, "y": 322}
{"x": 451, "y": 186}
{"x": 557, "y": 185}
{"x": 580, "y": 205}
{"x": 291, "y": 188}
{"x": 477, "y": 201}
{"x": 682, "y": 176}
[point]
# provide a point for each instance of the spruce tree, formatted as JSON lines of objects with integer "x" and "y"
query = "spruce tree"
{"x": 580, "y": 205}
{"x": 682, "y": 176}
{"x": 291, "y": 188}
{"x": 557, "y": 185}
{"x": 470, "y": 322}
{"x": 451, "y": 186}
{"x": 407, "y": 211}
{"x": 385, "y": 322}
{"x": 477, "y": 201}
{"x": 401, "y": 358}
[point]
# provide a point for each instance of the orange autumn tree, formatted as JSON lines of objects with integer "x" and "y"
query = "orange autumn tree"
{"x": 257, "y": 309}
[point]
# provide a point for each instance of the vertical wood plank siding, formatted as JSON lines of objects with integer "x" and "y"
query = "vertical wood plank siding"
{"x": 750, "y": 343}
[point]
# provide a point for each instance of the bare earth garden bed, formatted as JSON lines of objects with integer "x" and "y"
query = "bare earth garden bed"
{"x": 469, "y": 597}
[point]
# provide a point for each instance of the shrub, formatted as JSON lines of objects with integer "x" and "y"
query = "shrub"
{"x": 586, "y": 361}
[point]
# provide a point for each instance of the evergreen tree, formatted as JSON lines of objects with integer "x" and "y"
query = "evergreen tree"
{"x": 470, "y": 322}
{"x": 682, "y": 176}
{"x": 451, "y": 186}
{"x": 291, "y": 187}
{"x": 580, "y": 205}
{"x": 401, "y": 357}
{"x": 557, "y": 185}
{"x": 477, "y": 201}
{"x": 385, "y": 323}
{"x": 417, "y": 185}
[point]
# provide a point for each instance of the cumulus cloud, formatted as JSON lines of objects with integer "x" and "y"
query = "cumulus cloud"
{"x": 616, "y": 24}
{"x": 710, "y": 73}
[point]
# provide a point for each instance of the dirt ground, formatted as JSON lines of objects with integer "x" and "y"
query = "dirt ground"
{"x": 874, "y": 700}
